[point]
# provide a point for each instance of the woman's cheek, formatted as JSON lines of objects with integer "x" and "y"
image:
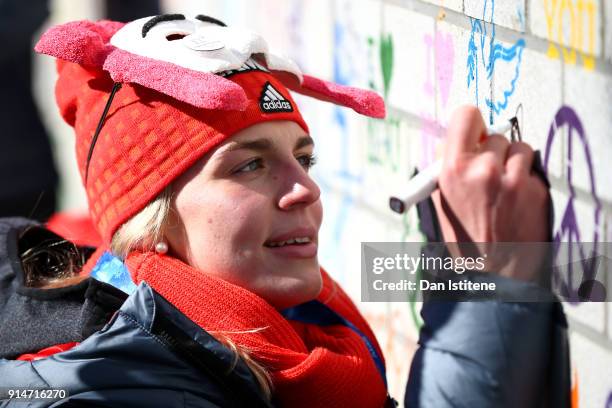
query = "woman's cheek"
{"x": 319, "y": 212}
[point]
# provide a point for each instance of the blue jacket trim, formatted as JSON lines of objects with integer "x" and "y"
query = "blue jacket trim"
{"x": 112, "y": 270}
{"x": 315, "y": 312}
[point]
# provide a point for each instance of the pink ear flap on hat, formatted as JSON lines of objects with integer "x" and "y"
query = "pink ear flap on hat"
{"x": 362, "y": 101}
{"x": 82, "y": 42}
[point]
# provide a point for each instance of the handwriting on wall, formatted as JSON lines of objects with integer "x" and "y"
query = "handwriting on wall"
{"x": 383, "y": 137}
{"x": 569, "y": 229}
{"x": 487, "y": 55}
{"x": 570, "y": 27}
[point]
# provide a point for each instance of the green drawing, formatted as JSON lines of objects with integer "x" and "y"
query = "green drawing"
{"x": 383, "y": 143}
{"x": 383, "y": 137}
{"x": 386, "y": 60}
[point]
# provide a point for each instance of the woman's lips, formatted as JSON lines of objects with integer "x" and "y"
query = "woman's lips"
{"x": 303, "y": 251}
{"x": 278, "y": 244}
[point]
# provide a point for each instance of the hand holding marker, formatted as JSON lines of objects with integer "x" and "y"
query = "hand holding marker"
{"x": 425, "y": 182}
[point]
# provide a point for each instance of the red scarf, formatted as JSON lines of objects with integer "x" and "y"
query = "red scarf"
{"x": 310, "y": 365}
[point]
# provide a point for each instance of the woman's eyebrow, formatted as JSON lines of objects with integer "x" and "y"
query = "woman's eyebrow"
{"x": 303, "y": 142}
{"x": 265, "y": 144}
{"x": 258, "y": 145}
{"x": 158, "y": 19}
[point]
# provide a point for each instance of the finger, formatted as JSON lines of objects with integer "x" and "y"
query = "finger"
{"x": 465, "y": 130}
{"x": 520, "y": 159}
{"x": 498, "y": 145}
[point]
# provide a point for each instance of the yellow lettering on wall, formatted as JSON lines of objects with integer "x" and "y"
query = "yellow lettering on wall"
{"x": 570, "y": 27}
{"x": 588, "y": 58}
{"x": 549, "y": 9}
{"x": 569, "y": 52}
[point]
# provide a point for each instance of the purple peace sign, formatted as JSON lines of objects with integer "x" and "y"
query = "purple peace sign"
{"x": 569, "y": 228}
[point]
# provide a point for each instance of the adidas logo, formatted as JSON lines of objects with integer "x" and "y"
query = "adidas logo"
{"x": 272, "y": 101}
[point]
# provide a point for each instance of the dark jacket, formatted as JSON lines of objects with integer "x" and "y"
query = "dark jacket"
{"x": 149, "y": 354}
{"x": 146, "y": 354}
{"x": 491, "y": 353}
{"x": 478, "y": 354}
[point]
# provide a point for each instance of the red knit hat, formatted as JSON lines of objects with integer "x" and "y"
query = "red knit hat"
{"x": 179, "y": 100}
{"x": 148, "y": 138}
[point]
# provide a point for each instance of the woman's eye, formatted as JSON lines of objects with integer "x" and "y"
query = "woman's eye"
{"x": 307, "y": 161}
{"x": 250, "y": 166}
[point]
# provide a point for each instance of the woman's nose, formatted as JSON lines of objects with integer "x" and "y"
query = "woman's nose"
{"x": 299, "y": 189}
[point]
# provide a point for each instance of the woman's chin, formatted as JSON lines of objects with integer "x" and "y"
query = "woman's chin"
{"x": 294, "y": 290}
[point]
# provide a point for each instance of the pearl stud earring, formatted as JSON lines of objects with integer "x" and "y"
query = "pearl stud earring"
{"x": 161, "y": 247}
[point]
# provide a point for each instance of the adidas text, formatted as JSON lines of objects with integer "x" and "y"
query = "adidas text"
{"x": 276, "y": 105}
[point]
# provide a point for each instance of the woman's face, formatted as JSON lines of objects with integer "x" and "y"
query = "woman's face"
{"x": 249, "y": 213}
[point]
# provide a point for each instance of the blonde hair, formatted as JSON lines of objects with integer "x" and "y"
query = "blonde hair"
{"x": 144, "y": 229}
{"x": 142, "y": 232}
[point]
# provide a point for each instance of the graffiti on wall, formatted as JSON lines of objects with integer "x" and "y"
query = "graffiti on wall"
{"x": 383, "y": 137}
{"x": 343, "y": 75}
{"x": 346, "y": 39}
{"x": 570, "y": 28}
{"x": 568, "y": 125}
{"x": 440, "y": 60}
{"x": 485, "y": 56}
{"x": 384, "y": 143}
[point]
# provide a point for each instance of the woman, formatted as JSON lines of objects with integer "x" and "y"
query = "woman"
{"x": 195, "y": 160}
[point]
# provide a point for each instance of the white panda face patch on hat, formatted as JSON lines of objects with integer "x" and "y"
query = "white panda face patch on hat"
{"x": 201, "y": 43}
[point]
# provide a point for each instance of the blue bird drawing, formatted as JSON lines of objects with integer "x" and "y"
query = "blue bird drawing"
{"x": 486, "y": 55}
